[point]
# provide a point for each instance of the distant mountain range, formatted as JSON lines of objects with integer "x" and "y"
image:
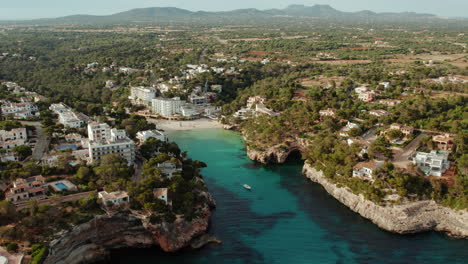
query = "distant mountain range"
{"x": 172, "y": 14}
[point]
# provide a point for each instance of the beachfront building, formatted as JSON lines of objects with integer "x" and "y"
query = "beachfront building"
{"x": 443, "y": 142}
{"x": 114, "y": 198}
{"x": 161, "y": 194}
{"x": 142, "y": 136}
{"x": 366, "y": 170}
{"x": 198, "y": 100}
{"x": 188, "y": 111}
{"x": 103, "y": 141}
{"x": 142, "y": 95}
{"x": 166, "y": 107}
{"x": 432, "y": 164}
{"x": 244, "y": 113}
{"x": 24, "y": 190}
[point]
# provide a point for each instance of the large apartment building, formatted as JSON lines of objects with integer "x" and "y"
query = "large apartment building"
{"x": 142, "y": 95}
{"x": 166, "y": 107}
{"x": 103, "y": 141}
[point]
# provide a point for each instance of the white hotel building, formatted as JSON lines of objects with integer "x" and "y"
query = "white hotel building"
{"x": 142, "y": 95}
{"x": 103, "y": 141}
{"x": 166, "y": 107}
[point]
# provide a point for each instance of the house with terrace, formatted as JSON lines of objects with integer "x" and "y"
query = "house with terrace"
{"x": 23, "y": 190}
{"x": 406, "y": 130}
{"x": 366, "y": 170}
{"x": 443, "y": 142}
{"x": 433, "y": 163}
{"x": 345, "y": 130}
{"x": 114, "y": 198}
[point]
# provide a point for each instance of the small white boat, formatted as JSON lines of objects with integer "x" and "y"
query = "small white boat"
{"x": 247, "y": 187}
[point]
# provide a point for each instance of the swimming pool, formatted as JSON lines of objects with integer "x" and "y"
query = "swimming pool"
{"x": 61, "y": 186}
{"x": 64, "y": 147}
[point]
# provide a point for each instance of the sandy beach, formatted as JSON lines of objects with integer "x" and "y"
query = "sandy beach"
{"x": 174, "y": 125}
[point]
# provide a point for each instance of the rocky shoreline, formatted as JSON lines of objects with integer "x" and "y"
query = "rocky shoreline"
{"x": 414, "y": 217}
{"x": 92, "y": 241}
{"x": 276, "y": 154}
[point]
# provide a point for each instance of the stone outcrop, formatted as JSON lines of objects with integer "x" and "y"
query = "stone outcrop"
{"x": 406, "y": 218}
{"x": 277, "y": 154}
{"x": 91, "y": 242}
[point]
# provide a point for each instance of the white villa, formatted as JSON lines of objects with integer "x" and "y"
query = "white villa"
{"x": 168, "y": 169}
{"x": 114, "y": 198}
{"x": 347, "y": 128}
{"x": 432, "y": 164}
{"x": 366, "y": 169}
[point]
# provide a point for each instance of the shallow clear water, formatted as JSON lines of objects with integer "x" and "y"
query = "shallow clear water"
{"x": 286, "y": 218}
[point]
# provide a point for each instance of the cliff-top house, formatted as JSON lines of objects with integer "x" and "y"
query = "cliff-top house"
{"x": 366, "y": 170}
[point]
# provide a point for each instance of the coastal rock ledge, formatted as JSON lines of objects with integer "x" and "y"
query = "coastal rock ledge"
{"x": 407, "y": 218}
{"x": 277, "y": 154}
{"x": 92, "y": 241}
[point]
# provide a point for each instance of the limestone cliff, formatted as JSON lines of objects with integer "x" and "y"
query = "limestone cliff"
{"x": 407, "y": 218}
{"x": 90, "y": 242}
{"x": 277, "y": 154}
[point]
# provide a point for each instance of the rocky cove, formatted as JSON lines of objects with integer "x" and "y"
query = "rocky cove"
{"x": 407, "y": 218}
{"x": 91, "y": 242}
{"x": 413, "y": 217}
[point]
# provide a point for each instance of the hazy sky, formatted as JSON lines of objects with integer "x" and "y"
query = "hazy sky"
{"x": 27, "y": 9}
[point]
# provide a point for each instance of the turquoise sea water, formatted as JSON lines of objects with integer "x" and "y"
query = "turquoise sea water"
{"x": 285, "y": 218}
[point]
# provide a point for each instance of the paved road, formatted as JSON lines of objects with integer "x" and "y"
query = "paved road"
{"x": 43, "y": 141}
{"x": 370, "y": 134}
{"x": 404, "y": 155}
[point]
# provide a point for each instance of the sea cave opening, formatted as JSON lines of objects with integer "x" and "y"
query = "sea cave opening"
{"x": 295, "y": 156}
